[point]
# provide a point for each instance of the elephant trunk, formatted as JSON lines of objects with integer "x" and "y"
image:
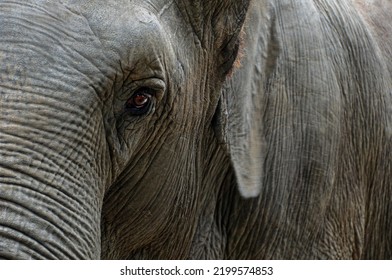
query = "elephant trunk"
{"x": 50, "y": 197}
{"x": 54, "y": 158}
{"x": 35, "y": 224}
{"x": 51, "y": 186}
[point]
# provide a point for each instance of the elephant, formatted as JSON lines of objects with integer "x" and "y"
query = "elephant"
{"x": 195, "y": 129}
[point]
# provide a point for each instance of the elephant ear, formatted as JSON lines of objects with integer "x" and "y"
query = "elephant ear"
{"x": 217, "y": 24}
{"x": 238, "y": 118}
{"x": 237, "y": 125}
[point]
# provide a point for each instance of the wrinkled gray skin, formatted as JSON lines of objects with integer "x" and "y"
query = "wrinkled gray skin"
{"x": 286, "y": 156}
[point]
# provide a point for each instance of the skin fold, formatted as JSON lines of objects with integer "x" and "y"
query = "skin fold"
{"x": 195, "y": 129}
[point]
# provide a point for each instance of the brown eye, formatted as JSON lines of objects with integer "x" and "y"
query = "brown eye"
{"x": 140, "y": 102}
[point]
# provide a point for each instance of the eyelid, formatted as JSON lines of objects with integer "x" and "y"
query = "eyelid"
{"x": 153, "y": 83}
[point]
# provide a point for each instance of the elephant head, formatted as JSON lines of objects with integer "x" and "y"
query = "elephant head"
{"x": 106, "y": 113}
{"x": 195, "y": 129}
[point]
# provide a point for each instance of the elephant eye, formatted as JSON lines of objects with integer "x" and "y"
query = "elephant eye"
{"x": 140, "y": 102}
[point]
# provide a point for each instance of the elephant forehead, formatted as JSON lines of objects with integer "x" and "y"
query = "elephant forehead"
{"x": 48, "y": 39}
{"x": 130, "y": 30}
{"x": 104, "y": 36}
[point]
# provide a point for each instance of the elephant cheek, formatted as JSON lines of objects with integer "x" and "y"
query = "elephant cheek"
{"x": 138, "y": 211}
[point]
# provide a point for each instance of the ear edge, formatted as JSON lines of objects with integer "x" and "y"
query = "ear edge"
{"x": 246, "y": 163}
